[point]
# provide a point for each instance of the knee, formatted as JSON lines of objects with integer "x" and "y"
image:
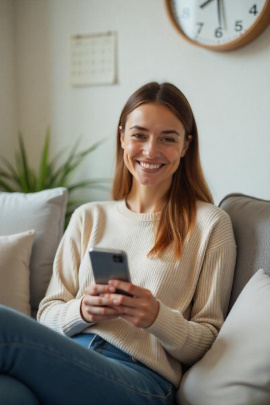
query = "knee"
{"x": 5, "y": 313}
{"x": 14, "y": 392}
{"x": 11, "y": 320}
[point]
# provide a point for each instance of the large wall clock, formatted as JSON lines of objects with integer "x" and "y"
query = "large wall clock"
{"x": 221, "y": 25}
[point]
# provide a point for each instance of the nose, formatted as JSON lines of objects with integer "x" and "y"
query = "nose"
{"x": 151, "y": 150}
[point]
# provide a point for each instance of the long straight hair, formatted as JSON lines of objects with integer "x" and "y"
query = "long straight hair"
{"x": 188, "y": 184}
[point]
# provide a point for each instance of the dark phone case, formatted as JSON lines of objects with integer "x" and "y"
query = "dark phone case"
{"x": 109, "y": 264}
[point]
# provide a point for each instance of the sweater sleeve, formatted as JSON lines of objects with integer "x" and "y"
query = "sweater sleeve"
{"x": 60, "y": 309}
{"x": 188, "y": 340}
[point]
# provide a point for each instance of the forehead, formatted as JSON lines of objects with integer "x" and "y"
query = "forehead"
{"x": 154, "y": 116}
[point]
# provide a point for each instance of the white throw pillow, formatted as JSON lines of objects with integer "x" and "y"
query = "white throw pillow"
{"x": 236, "y": 370}
{"x": 43, "y": 211}
{"x": 15, "y": 252}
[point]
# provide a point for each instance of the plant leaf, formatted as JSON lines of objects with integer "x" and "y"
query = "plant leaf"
{"x": 25, "y": 168}
{"x": 21, "y": 177}
{"x": 32, "y": 181}
{"x": 12, "y": 171}
{"x": 4, "y": 186}
{"x": 51, "y": 180}
{"x": 43, "y": 170}
{"x": 8, "y": 182}
{"x": 61, "y": 172}
{"x": 74, "y": 161}
{"x": 19, "y": 168}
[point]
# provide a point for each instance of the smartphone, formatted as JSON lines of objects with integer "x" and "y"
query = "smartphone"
{"x": 109, "y": 264}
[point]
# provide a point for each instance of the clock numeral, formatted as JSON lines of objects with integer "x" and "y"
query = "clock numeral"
{"x": 238, "y": 25}
{"x": 218, "y": 32}
{"x": 200, "y": 25}
{"x": 254, "y": 10}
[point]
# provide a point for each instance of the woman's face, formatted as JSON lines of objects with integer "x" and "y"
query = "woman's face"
{"x": 153, "y": 143}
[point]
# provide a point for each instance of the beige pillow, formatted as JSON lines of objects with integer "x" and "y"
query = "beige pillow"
{"x": 236, "y": 370}
{"x": 15, "y": 253}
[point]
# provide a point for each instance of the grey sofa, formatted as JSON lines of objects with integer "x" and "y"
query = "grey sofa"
{"x": 250, "y": 217}
{"x": 236, "y": 370}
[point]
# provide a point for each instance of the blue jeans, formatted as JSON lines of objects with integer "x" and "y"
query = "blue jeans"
{"x": 40, "y": 366}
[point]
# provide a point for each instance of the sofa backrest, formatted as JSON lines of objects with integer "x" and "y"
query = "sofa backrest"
{"x": 251, "y": 225}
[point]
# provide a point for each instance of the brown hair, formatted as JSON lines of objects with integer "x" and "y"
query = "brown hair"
{"x": 188, "y": 184}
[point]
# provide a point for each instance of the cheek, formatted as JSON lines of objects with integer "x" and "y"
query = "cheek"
{"x": 174, "y": 155}
{"x": 131, "y": 148}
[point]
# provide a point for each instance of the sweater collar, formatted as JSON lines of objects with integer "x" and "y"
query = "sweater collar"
{"x": 135, "y": 216}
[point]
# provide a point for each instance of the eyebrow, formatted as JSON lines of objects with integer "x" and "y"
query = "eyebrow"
{"x": 168, "y": 131}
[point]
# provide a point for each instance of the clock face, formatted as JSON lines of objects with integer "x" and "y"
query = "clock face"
{"x": 215, "y": 23}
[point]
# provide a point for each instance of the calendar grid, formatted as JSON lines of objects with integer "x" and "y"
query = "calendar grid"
{"x": 93, "y": 59}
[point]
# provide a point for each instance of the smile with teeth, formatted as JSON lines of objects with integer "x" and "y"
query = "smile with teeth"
{"x": 150, "y": 166}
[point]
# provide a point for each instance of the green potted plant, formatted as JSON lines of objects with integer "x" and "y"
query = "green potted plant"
{"x": 21, "y": 177}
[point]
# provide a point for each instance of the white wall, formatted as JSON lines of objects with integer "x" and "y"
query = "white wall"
{"x": 33, "y": 71}
{"x": 8, "y": 115}
{"x": 229, "y": 92}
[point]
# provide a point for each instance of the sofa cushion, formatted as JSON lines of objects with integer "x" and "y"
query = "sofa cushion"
{"x": 213, "y": 375}
{"x": 251, "y": 225}
{"x": 44, "y": 212}
{"x": 236, "y": 370}
{"x": 15, "y": 253}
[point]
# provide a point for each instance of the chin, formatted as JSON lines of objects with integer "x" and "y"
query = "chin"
{"x": 148, "y": 183}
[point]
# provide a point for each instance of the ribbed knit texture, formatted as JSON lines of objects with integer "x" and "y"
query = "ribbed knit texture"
{"x": 193, "y": 292}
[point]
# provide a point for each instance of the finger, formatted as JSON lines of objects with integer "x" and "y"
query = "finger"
{"x": 120, "y": 300}
{"x": 99, "y": 314}
{"x": 97, "y": 289}
{"x": 102, "y": 311}
{"x": 132, "y": 289}
{"x": 128, "y": 288}
{"x": 90, "y": 300}
{"x": 116, "y": 296}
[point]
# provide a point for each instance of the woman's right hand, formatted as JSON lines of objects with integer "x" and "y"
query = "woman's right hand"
{"x": 95, "y": 307}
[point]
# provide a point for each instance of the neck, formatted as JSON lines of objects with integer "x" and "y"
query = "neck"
{"x": 144, "y": 199}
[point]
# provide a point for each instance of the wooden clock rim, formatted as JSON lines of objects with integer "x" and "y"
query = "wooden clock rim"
{"x": 253, "y": 32}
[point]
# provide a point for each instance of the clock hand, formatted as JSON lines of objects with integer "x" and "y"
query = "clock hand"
{"x": 205, "y": 4}
{"x": 219, "y": 14}
{"x": 223, "y": 14}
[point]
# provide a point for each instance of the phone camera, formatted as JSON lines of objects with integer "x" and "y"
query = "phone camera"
{"x": 117, "y": 258}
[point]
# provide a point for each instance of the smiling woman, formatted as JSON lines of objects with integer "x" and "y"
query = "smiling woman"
{"x": 157, "y": 130}
{"x": 181, "y": 253}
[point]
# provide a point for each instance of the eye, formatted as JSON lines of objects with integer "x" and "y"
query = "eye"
{"x": 138, "y": 136}
{"x": 168, "y": 139}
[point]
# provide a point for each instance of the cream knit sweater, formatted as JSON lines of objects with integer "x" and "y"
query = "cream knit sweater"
{"x": 193, "y": 292}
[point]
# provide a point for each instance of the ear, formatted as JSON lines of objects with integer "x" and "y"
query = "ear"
{"x": 121, "y": 134}
{"x": 186, "y": 145}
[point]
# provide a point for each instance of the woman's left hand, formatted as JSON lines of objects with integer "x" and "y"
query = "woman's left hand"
{"x": 140, "y": 309}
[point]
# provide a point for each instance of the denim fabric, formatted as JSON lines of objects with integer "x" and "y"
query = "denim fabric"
{"x": 82, "y": 370}
{"x": 13, "y": 392}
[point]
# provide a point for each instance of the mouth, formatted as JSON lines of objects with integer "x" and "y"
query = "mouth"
{"x": 150, "y": 166}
